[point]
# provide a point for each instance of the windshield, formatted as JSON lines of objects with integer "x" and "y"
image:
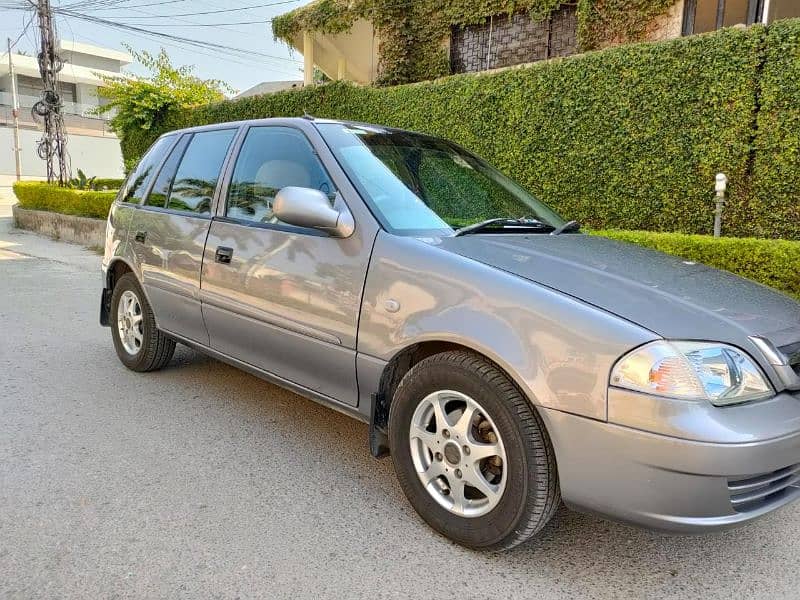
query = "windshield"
{"x": 420, "y": 185}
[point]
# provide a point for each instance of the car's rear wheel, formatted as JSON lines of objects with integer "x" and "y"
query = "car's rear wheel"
{"x": 139, "y": 344}
{"x": 471, "y": 453}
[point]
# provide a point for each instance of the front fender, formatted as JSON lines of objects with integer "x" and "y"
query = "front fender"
{"x": 559, "y": 350}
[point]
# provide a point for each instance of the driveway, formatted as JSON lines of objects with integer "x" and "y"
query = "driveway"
{"x": 201, "y": 481}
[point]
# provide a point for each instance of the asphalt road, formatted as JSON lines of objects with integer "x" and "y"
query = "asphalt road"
{"x": 201, "y": 481}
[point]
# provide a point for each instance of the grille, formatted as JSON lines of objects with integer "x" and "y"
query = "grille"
{"x": 761, "y": 490}
{"x": 792, "y": 351}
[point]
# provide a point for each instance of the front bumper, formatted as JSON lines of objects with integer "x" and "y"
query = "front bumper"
{"x": 668, "y": 483}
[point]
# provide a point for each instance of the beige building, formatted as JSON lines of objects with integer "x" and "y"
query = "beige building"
{"x": 506, "y": 40}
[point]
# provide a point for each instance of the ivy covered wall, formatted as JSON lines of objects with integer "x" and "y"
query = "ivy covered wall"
{"x": 629, "y": 137}
{"x": 413, "y": 33}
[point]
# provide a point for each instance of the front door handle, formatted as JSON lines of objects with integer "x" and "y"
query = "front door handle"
{"x": 223, "y": 255}
{"x": 141, "y": 236}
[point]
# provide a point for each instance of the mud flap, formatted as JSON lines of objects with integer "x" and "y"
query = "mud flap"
{"x": 378, "y": 427}
{"x": 105, "y": 307}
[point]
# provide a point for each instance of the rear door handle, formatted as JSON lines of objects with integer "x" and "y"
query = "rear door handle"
{"x": 223, "y": 255}
{"x": 141, "y": 236}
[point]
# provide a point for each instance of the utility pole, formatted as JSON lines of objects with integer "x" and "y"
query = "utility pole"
{"x": 53, "y": 145}
{"x": 15, "y": 113}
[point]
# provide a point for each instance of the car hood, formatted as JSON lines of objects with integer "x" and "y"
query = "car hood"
{"x": 672, "y": 297}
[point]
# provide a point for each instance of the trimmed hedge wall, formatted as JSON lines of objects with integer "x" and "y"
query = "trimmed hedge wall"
{"x": 771, "y": 262}
{"x": 630, "y": 137}
{"x": 35, "y": 195}
{"x": 776, "y": 170}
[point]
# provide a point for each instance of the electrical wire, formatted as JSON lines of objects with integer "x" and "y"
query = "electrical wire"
{"x": 189, "y": 41}
{"x": 200, "y": 13}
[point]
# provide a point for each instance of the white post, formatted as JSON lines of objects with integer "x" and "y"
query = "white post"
{"x": 308, "y": 58}
{"x": 341, "y": 69}
{"x": 15, "y": 113}
{"x": 765, "y": 16}
{"x": 720, "y": 187}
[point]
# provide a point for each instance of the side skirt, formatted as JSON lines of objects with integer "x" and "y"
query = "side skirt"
{"x": 326, "y": 401}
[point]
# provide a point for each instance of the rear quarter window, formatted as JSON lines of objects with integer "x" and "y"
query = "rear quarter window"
{"x": 136, "y": 183}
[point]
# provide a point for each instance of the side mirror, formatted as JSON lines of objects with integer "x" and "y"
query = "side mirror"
{"x": 306, "y": 207}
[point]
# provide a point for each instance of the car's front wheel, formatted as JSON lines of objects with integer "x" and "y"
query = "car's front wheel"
{"x": 471, "y": 453}
{"x": 139, "y": 344}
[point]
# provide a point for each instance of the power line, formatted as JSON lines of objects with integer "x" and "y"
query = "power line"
{"x": 190, "y": 41}
{"x": 24, "y": 31}
{"x": 244, "y": 61}
{"x": 194, "y": 14}
{"x": 206, "y": 24}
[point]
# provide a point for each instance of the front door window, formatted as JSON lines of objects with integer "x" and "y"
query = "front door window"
{"x": 272, "y": 158}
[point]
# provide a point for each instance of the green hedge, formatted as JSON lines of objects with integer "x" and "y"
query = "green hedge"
{"x": 776, "y": 171}
{"x": 630, "y": 137}
{"x": 35, "y": 195}
{"x": 771, "y": 262}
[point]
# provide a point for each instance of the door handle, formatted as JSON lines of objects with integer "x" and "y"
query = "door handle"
{"x": 141, "y": 236}
{"x": 223, "y": 255}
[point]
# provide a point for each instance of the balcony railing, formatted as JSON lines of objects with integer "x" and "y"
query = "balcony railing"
{"x": 67, "y": 108}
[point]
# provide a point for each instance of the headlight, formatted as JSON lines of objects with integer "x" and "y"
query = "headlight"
{"x": 715, "y": 372}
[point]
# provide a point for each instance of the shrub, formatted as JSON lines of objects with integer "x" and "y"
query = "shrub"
{"x": 35, "y": 195}
{"x": 630, "y": 137}
{"x": 776, "y": 170}
{"x": 771, "y": 262}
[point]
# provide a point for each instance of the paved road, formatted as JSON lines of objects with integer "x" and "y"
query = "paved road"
{"x": 203, "y": 482}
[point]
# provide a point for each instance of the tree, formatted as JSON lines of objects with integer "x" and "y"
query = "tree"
{"x": 144, "y": 102}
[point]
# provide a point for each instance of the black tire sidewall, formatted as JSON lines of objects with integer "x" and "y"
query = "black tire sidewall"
{"x": 489, "y": 530}
{"x": 133, "y": 361}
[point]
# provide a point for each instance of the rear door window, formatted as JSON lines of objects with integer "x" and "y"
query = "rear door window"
{"x": 196, "y": 179}
{"x": 136, "y": 184}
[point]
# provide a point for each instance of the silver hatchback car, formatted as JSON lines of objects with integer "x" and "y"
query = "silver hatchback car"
{"x": 504, "y": 359}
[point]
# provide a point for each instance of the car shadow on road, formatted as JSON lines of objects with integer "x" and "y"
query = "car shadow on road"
{"x": 573, "y": 541}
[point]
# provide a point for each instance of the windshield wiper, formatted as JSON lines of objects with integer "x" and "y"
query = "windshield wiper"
{"x": 568, "y": 227}
{"x": 522, "y": 222}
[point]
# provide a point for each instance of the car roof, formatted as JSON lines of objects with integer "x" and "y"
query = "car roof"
{"x": 305, "y": 120}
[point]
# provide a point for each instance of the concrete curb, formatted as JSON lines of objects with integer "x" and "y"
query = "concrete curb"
{"x": 68, "y": 228}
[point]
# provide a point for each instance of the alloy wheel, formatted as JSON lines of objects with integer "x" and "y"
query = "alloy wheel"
{"x": 457, "y": 453}
{"x": 130, "y": 322}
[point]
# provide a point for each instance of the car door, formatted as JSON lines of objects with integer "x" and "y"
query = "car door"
{"x": 171, "y": 226}
{"x": 283, "y": 298}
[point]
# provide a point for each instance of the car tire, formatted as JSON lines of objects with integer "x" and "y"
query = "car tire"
{"x": 495, "y": 411}
{"x": 139, "y": 344}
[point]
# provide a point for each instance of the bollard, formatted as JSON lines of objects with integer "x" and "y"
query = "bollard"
{"x": 720, "y": 187}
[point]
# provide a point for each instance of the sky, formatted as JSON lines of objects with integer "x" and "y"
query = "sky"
{"x": 246, "y": 28}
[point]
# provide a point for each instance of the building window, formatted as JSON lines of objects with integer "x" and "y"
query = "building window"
{"x": 707, "y": 15}
{"x": 32, "y": 86}
{"x": 781, "y": 9}
{"x": 506, "y": 40}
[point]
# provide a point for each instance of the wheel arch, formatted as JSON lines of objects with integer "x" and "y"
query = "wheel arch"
{"x": 403, "y": 360}
{"x": 115, "y": 270}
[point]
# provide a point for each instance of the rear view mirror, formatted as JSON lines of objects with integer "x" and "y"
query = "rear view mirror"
{"x": 306, "y": 207}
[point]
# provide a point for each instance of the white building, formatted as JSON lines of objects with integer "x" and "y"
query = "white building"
{"x": 92, "y": 146}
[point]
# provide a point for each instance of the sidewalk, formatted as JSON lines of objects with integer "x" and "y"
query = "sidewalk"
{"x": 17, "y": 243}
